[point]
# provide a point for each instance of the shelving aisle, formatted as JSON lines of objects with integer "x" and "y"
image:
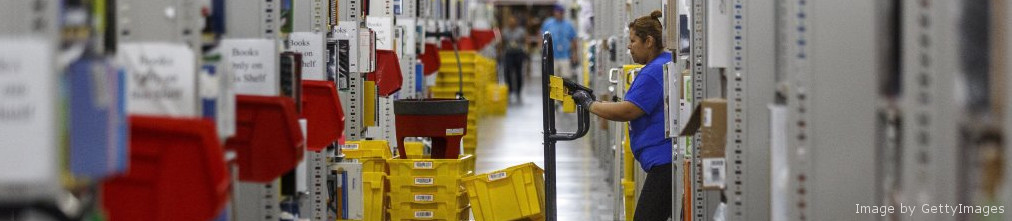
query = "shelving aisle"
{"x": 516, "y": 138}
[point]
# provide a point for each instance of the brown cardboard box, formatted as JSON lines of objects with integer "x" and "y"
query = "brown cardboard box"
{"x": 709, "y": 118}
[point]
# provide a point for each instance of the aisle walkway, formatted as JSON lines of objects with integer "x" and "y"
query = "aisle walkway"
{"x": 516, "y": 138}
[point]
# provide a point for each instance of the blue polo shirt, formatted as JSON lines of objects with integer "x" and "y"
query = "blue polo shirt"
{"x": 562, "y": 34}
{"x": 649, "y": 144}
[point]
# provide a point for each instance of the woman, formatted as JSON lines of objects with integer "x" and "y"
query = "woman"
{"x": 643, "y": 107}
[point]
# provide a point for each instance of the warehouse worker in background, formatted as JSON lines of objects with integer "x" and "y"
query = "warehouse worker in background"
{"x": 514, "y": 38}
{"x": 563, "y": 35}
{"x": 644, "y": 109}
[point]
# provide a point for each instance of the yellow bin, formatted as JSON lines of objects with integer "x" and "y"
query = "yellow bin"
{"x": 629, "y": 193}
{"x": 374, "y": 192}
{"x": 509, "y": 194}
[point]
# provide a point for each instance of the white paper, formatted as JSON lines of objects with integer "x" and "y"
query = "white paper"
{"x": 310, "y": 45}
{"x": 719, "y": 31}
{"x": 714, "y": 172}
{"x": 707, "y": 117}
{"x": 384, "y": 28}
{"x": 161, "y": 78}
{"x": 254, "y": 65}
{"x": 27, "y": 112}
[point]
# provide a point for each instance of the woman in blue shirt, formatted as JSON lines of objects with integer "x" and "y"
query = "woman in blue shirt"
{"x": 643, "y": 108}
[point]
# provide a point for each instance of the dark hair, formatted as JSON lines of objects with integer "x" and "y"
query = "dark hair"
{"x": 649, "y": 25}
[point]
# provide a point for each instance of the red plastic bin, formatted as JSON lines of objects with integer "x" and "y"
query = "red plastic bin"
{"x": 430, "y": 59}
{"x": 177, "y": 172}
{"x": 268, "y": 140}
{"x": 465, "y": 44}
{"x": 387, "y": 74}
{"x": 482, "y": 37}
{"x": 443, "y": 120}
{"x": 321, "y": 107}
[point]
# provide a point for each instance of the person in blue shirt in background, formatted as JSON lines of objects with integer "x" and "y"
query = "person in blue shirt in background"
{"x": 563, "y": 36}
{"x": 643, "y": 107}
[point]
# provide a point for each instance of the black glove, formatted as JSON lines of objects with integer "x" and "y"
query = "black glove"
{"x": 583, "y": 98}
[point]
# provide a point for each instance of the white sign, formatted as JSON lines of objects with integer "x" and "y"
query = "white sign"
{"x": 310, "y": 45}
{"x": 384, "y": 28}
{"x": 161, "y": 78}
{"x": 253, "y": 64}
{"x": 28, "y": 97}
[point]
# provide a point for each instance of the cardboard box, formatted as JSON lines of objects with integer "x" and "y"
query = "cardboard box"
{"x": 709, "y": 118}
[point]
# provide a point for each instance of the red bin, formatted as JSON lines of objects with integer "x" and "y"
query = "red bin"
{"x": 321, "y": 107}
{"x": 177, "y": 172}
{"x": 268, "y": 139}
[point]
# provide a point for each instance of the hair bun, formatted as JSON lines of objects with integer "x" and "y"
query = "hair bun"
{"x": 656, "y": 14}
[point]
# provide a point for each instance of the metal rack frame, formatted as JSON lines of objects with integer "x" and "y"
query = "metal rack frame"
{"x": 822, "y": 126}
{"x": 751, "y": 83}
{"x": 254, "y": 201}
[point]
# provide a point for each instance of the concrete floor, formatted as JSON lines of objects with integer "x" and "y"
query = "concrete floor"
{"x": 516, "y": 138}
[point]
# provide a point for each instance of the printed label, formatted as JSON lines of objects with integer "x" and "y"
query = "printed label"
{"x": 454, "y": 131}
{"x": 424, "y": 198}
{"x": 424, "y": 181}
{"x": 423, "y": 214}
{"x": 707, "y": 117}
{"x": 423, "y": 165}
{"x": 351, "y": 146}
{"x": 714, "y": 172}
{"x": 496, "y": 176}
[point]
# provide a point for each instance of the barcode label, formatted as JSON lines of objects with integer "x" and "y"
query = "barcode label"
{"x": 423, "y": 165}
{"x": 454, "y": 131}
{"x": 496, "y": 176}
{"x": 715, "y": 173}
{"x": 423, "y": 198}
{"x": 424, "y": 181}
{"x": 351, "y": 146}
{"x": 423, "y": 214}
